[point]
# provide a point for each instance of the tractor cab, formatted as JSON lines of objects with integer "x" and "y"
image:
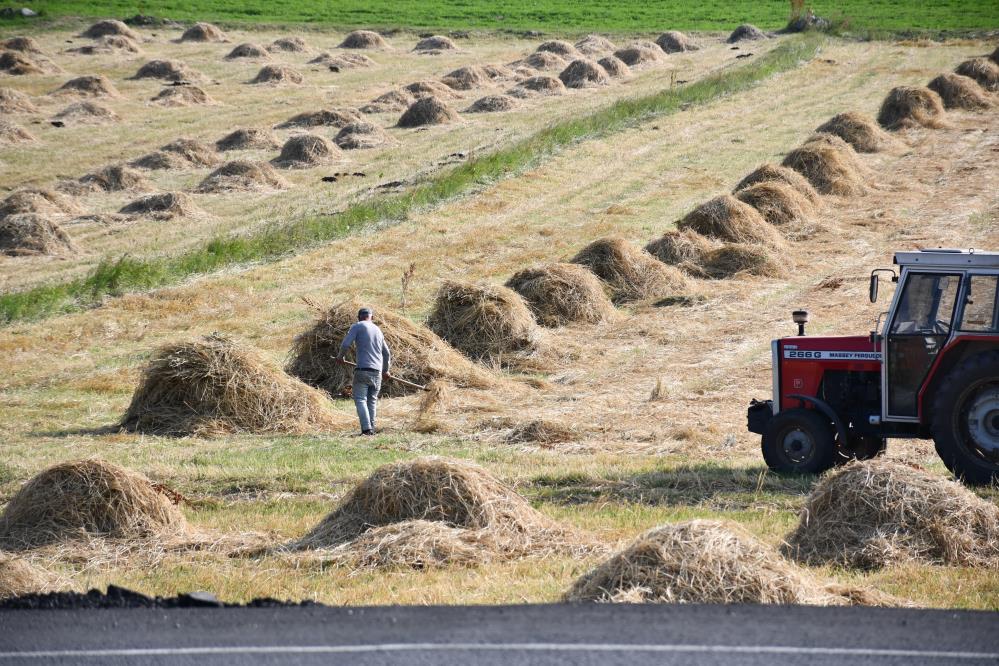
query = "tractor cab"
{"x": 929, "y": 370}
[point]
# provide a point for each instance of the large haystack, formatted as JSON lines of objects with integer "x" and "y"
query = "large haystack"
{"x": 859, "y": 130}
{"x": 418, "y": 354}
{"x": 18, "y": 577}
{"x": 560, "y": 294}
{"x": 960, "y": 92}
{"x": 248, "y": 138}
{"x": 534, "y": 86}
{"x": 584, "y": 73}
{"x": 242, "y": 176}
{"x": 911, "y": 106}
{"x": 86, "y": 499}
{"x": 322, "y": 118}
{"x": 735, "y": 259}
{"x": 248, "y": 50}
{"x": 700, "y": 561}
{"x": 360, "y": 135}
{"x": 674, "y": 41}
{"x": 306, "y": 150}
{"x": 89, "y": 86}
{"x": 982, "y": 70}
{"x": 204, "y": 32}
{"x": 744, "y": 32}
{"x": 182, "y": 96}
{"x": 294, "y": 44}
{"x": 726, "y": 218}
{"x": 216, "y": 385}
{"x": 86, "y": 113}
{"x": 277, "y": 74}
{"x": 829, "y": 168}
{"x": 594, "y": 45}
{"x": 493, "y": 104}
{"x": 421, "y": 89}
{"x": 545, "y": 61}
{"x": 30, "y": 234}
{"x": 877, "y": 513}
{"x": 782, "y": 206}
{"x": 428, "y": 111}
{"x": 559, "y": 47}
{"x": 38, "y": 200}
{"x": 466, "y": 78}
{"x": 435, "y": 43}
{"x": 781, "y": 174}
{"x": 394, "y": 100}
{"x": 114, "y": 178}
{"x": 614, "y": 66}
{"x": 11, "y": 134}
{"x": 15, "y": 101}
{"x": 163, "y": 206}
{"x": 684, "y": 249}
{"x": 485, "y": 322}
{"x": 632, "y": 274}
{"x": 363, "y": 39}
{"x": 639, "y": 53}
{"x": 167, "y": 70}
{"x": 110, "y": 27}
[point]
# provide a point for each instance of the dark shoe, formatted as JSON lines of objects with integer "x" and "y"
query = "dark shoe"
{"x": 368, "y": 433}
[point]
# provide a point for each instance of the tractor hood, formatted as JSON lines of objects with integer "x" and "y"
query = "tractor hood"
{"x": 846, "y": 348}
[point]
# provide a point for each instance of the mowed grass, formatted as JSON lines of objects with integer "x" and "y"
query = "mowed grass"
{"x": 549, "y": 15}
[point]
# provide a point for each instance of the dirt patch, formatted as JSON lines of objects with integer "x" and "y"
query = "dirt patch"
{"x": 466, "y": 78}
{"x": 674, "y": 41}
{"x": 960, "y": 92}
{"x": 306, "y": 150}
{"x": 162, "y": 206}
{"x": 87, "y": 113}
{"x": 982, "y": 70}
{"x": 11, "y": 134}
{"x": 277, "y": 74}
{"x": 31, "y": 234}
{"x": 595, "y": 45}
{"x": 630, "y": 273}
{"x": 322, "y": 118}
{"x": 89, "y": 86}
{"x": 204, "y": 32}
{"x": 536, "y": 86}
{"x": 435, "y": 43}
{"x": 394, "y": 100}
{"x": 859, "y": 130}
{"x": 493, "y": 104}
{"x": 110, "y": 27}
{"x": 736, "y": 259}
{"x": 614, "y": 66}
{"x": 364, "y": 39}
{"x": 726, "y": 218}
{"x": 685, "y": 249}
{"x": 361, "y": 135}
{"x": 782, "y": 206}
{"x": 911, "y": 106}
{"x": 289, "y": 45}
{"x": 639, "y": 53}
{"x": 584, "y": 74}
{"x": 15, "y": 101}
{"x": 242, "y": 176}
{"x": 248, "y": 50}
{"x": 248, "y": 138}
{"x": 545, "y": 61}
{"x": 829, "y": 169}
{"x": 182, "y": 96}
{"x": 428, "y": 111}
{"x": 781, "y": 174}
{"x": 744, "y": 32}
{"x": 560, "y": 294}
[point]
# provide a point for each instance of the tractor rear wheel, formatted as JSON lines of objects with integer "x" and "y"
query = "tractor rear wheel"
{"x": 861, "y": 448}
{"x": 966, "y": 419}
{"x": 799, "y": 441}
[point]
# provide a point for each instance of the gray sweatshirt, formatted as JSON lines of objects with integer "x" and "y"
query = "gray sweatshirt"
{"x": 372, "y": 352}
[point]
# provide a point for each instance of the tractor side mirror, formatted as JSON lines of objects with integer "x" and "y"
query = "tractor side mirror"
{"x": 874, "y": 288}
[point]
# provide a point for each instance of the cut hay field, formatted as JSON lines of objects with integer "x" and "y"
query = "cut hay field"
{"x": 607, "y": 429}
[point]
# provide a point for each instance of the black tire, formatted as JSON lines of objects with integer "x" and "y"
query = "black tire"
{"x": 958, "y": 393}
{"x": 809, "y": 430}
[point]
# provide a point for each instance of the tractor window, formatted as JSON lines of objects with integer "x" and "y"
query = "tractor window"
{"x": 927, "y": 305}
{"x": 980, "y": 311}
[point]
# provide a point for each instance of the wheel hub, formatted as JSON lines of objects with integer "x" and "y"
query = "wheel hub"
{"x": 798, "y": 446}
{"x": 983, "y": 420}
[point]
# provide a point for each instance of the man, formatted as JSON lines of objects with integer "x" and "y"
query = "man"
{"x": 373, "y": 362}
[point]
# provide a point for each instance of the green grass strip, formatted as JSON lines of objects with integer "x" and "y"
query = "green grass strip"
{"x": 114, "y": 277}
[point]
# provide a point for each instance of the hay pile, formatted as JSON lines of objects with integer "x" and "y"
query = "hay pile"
{"x": 594, "y": 45}
{"x": 87, "y": 113}
{"x": 639, "y": 53}
{"x": 428, "y": 111}
{"x": 114, "y": 178}
{"x": 631, "y": 274}
{"x": 110, "y": 27}
{"x": 18, "y": 577}
{"x": 614, "y": 67}
{"x": 204, "y": 32}
{"x": 700, "y": 561}
{"x": 876, "y": 513}
{"x": 418, "y": 355}
{"x": 38, "y": 200}
{"x": 911, "y": 106}
{"x": 466, "y": 78}
{"x": 541, "y": 432}
{"x": 248, "y": 50}
{"x": 11, "y": 134}
{"x": 306, "y": 150}
{"x": 163, "y": 206}
{"x": 18, "y": 64}
{"x": 193, "y": 152}
{"x": 960, "y": 92}
{"x": 537, "y": 86}
{"x": 293, "y": 44}
{"x": 728, "y": 219}
{"x": 560, "y": 294}
{"x": 421, "y": 89}
{"x": 242, "y": 176}
{"x": 87, "y": 498}
{"x": 247, "y": 138}
{"x": 493, "y": 104}
{"x": 361, "y": 135}
{"x": 394, "y": 100}
{"x": 558, "y": 47}
{"x": 277, "y": 74}
{"x": 342, "y": 60}
{"x": 982, "y": 70}
{"x": 435, "y": 43}
{"x": 30, "y": 234}
{"x": 781, "y": 174}
{"x": 417, "y": 544}
{"x": 363, "y": 39}
{"x": 735, "y": 259}
{"x": 215, "y": 385}
{"x": 322, "y": 118}
{"x": 684, "y": 249}
{"x": 674, "y": 41}
{"x": 545, "y": 61}
{"x": 168, "y": 70}
{"x": 746, "y": 31}
{"x": 109, "y": 44}
{"x": 498, "y": 72}
{"x": 584, "y": 73}
{"x": 15, "y": 101}
{"x": 829, "y": 168}
{"x": 181, "y": 96}
{"x": 859, "y": 130}
{"x": 89, "y": 86}
{"x": 782, "y": 206}
{"x": 22, "y": 44}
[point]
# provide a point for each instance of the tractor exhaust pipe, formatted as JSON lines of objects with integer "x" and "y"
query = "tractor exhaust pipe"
{"x": 800, "y": 318}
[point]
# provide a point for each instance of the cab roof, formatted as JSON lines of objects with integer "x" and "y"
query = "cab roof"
{"x": 949, "y": 258}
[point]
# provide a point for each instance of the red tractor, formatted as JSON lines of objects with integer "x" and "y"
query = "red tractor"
{"x": 931, "y": 372}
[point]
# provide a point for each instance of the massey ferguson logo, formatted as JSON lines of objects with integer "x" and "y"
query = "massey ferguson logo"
{"x": 831, "y": 355}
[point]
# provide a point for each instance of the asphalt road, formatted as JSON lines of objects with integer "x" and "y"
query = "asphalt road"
{"x": 509, "y": 635}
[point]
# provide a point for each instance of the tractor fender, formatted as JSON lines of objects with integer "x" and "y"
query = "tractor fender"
{"x": 826, "y": 409}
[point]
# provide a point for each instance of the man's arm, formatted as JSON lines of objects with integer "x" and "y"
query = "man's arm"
{"x": 386, "y": 358}
{"x": 348, "y": 340}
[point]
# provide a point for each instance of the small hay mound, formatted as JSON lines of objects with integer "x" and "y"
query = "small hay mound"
{"x": 982, "y": 70}
{"x": 87, "y": 113}
{"x": 498, "y": 72}
{"x": 960, "y": 92}
{"x": 11, "y": 134}
{"x": 306, "y": 150}
{"x": 781, "y": 174}
{"x": 542, "y": 85}
{"x": 15, "y": 101}
{"x": 428, "y": 111}
{"x": 559, "y": 47}
{"x": 728, "y": 219}
{"x": 632, "y": 274}
{"x": 167, "y": 70}
{"x": 38, "y": 200}
{"x": 560, "y": 294}
{"x": 87, "y": 498}
{"x": 674, "y": 41}
{"x": 30, "y": 234}
{"x": 543, "y": 432}
{"x": 363, "y": 39}
{"x": 545, "y": 61}
{"x": 394, "y": 100}
{"x": 109, "y": 27}
{"x": 485, "y": 322}
{"x": 18, "y": 64}
{"x": 859, "y": 130}
{"x": 699, "y": 561}
{"x": 734, "y": 259}
{"x": 204, "y": 32}
{"x": 159, "y": 160}
{"x": 781, "y": 205}
{"x": 22, "y": 44}
{"x": 248, "y": 50}
{"x": 322, "y": 118}
{"x": 746, "y": 31}
{"x": 584, "y": 74}
{"x": 292, "y": 44}
{"x": 115, "y": 178}
{"x": 182, "y": 96}
{"x": 248, "y": 138}
{"x": 639, "y": 53}
{"x": 162, "y": 206}
{"x": 466, "y": 78}
{"x": 875, "y": 513}
{"x": 277, "y": 74}
{"x": 684, "y": 249}
{"x": 435, "y": 43}
{"x": 614, "y": 66}
{"x": 360, "y": 135}
{"x": 493, "y": 104}
{"x": 342, "y": 60}
{"x": 193, "y": 152}
{"x": 109, "y": 44}
{"x": 829, "y": 169}
{"x": 90, "y": 86}
{"x": 911, "y": 106}
{"x": 421, "y": 89}
{"x": 416, "y": 544}
{"x": 595, "y": 45}
{"x": 214, "y": 385}
{"x": 418, "y": 355}
{"x": 18, "y": 577}
{"x": 242, "y": 176}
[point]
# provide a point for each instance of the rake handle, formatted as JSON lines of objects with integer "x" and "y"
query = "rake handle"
{"x": 395, "y": 379}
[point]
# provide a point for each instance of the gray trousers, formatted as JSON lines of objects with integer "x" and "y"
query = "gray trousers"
{"x": 367, "y": 384}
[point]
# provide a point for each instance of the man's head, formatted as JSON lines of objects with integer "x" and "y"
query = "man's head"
{"x": 364, "y": 314}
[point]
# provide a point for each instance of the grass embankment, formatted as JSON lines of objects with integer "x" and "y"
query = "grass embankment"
{"x": 632, "y": 16}
{"x": 120, "y": 275}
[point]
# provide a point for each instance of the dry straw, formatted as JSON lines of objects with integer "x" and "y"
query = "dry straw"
{"x": 361, "y": 135}
{"x": 204, "y": 32}
{"x": 435, "y": 43}
{"x": 416, "y": 544}
{"x": 878, "y": 513}
{"x": 394, "y": 100}
{"x": 363, "y": 39}
{"x": 18, "y": 577}
{"x": 322, "y": 118}
{"x": 545, "y": 61}
{"x": 538, "y": 86}
{"x": 248, "y": 50}
{"x": 558, "y": 47}
{"x": 632, "y": 274}
{"x": 15, "y": 101}
{"x": 89, "y": 86}
{"x": 781, "y": 174}
{"x": 242, "y": 176}
{"x": 493, "y": 104}
{"x": 169, "y": 70}
{"x": 182, "y": 96}
{"x": 86, "y": 113}
{"x": 982, "y": 70}
{"x": 11, "y": 134}
{"x": 466, "y": 78}
{"x": 428, "y": 111}
{"x": 584, "y": 73}
{"x": 859, "y": 130}
{"x": 112, "y": 178}
{"x": 28, "y": 234}
{"x": 746, "y": 31}
{"x": 277, "y": 74}
{"x": 614, "y": 67}
{"x": 23, "y": 44}
{"x": 735, "y": 259}
{"x": 560, "y": 294}
{"x": 960, "y": 92}
{"x": 162, "y": 206}
{"x": 543, "y": 432}
{"x": 911, "y": 106}
{"x": 726, "y": 218}
{"x": 293, "y": 44}
{"x": 306, "y": 150}
{"x": 214, "y": 385}
{"x": 639, "y": 53}
{"x": 38, "y": 200}
{"x": 421, "y": 89}
{"x": 684, "y": 249}
{"x": 829, "y": 168}
{"x": 673, "y": 41}
{"x": 594, "y": 45}
{"x": 782, "y": 206}
{"x": 248, "y": 138}
{"x": 110, "y": 27}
